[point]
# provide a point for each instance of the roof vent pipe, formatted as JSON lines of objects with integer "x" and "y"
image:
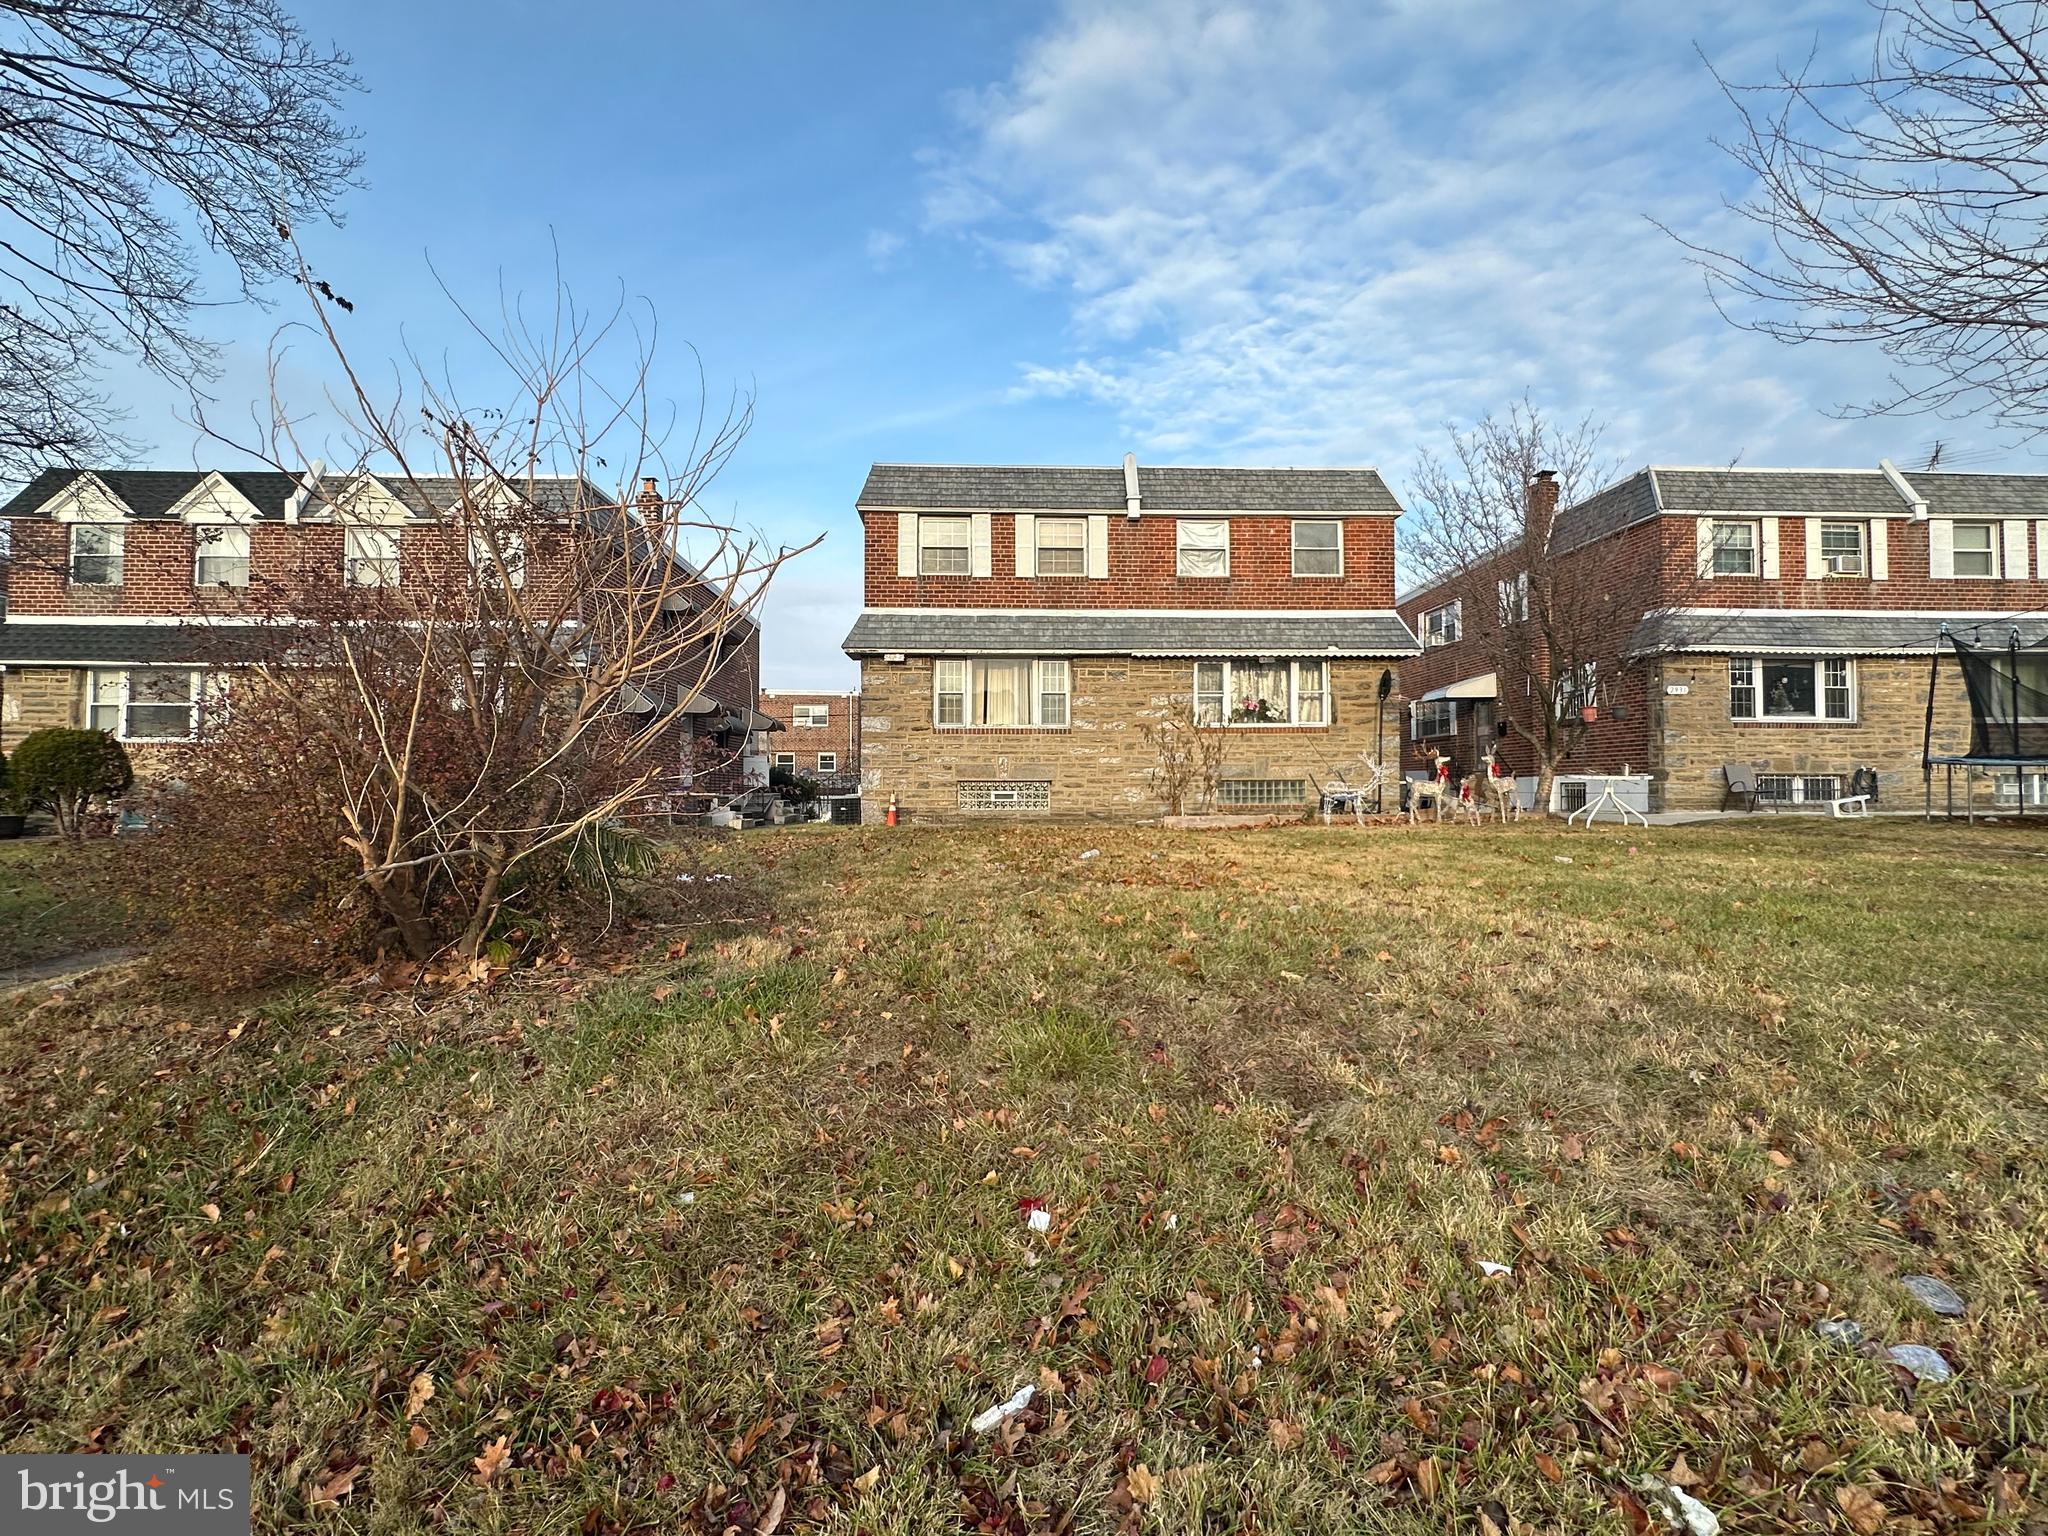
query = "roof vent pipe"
{"x": 1133, "y": 502}
{"x": 295, "y": 504}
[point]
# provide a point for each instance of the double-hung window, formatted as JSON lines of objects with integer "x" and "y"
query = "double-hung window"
{"x": 96, "y": 551}
{"x": 1791, "y": 688}
{"x": 999, "y": 691}
{"x": 1976, "y": 549}
{"x": 828, "y": 762}
{"x": 810, "y": 717}
{"x": 1318, "y": 548}
{"x": 1062, "y": 546}
{"x": 1842, "y": 549}
{"x": 370, "y": 557}
{"x": 1513, "y": 594}
{"x": 1734, "y": 549}
{"x": 1434, "y": 717}
{"x": 146, "y": 703}
{"x": 786, "y": 760}
{"x": 1442, "y": 626}
{"x": 220, "y": 555}
{"x": 945, "y": 546}
{"x": 1262, "y": 692}
{"x": 1201, "y": 547}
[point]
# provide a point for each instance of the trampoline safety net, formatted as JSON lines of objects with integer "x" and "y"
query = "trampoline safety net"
{"x": 2008, "y": 687}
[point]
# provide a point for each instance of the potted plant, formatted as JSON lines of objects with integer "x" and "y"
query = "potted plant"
{"x": 13, "y": 812}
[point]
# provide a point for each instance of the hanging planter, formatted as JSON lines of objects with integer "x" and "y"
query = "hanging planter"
{"x": 1589, "y": 713}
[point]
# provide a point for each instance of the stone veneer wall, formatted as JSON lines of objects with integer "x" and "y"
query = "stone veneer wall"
{"x": 34, "y": 697}
{"x": 1100, "y": 767}
{"x": 1692, "y": 735}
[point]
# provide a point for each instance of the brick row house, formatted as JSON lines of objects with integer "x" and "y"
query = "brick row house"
{"x": 1026, "y": 628}
{"x": 1784, "y": 619}
{"x": 127, "y": 591}
{"x": 822, "y": 737}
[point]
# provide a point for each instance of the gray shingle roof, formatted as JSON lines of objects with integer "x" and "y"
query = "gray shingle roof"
{"x": 151, "y": 493}
{"x": 1983, "y": 495}
{"x": 1810, "y": 633}
{"x": 1089, "y": 488}
{"x": 1605, "y": 511}
{"x": 978, "y": 632}
{"x": 1828, "y": 492}
{"x": 86, "y": 644}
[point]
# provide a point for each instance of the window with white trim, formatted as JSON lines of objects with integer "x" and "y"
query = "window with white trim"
{"x": 1201, "y": 547}
{"x": 1062, "y": 546}
{"x": 1318, "y": 548}
{"x": 1842, "y": 549}
{"x": 490, "y": 549}
{"x": 1577, "y": 688}
{"x": 96, "y": 554}
{"x": 786, "y": 760}
{"x": 828, "y": 762}
{"x": 1443, "y": 625}
{"x": 1791, "y": 688}
{"x": 1734, "y": 546}
{"x": 1262, "y": 692}
{"x": 945, "y": 546}
{"x": 1000, "y": 691}
{"x": 220, "y": 555}
{"x": 1976, "y": 549}
{"x": 1512, "y": 596}
{"x": 1433, "y": 717}
{"x": 147, "y": 703}
{"x": 810, "y": 717}
{"x": 370, "y": 557}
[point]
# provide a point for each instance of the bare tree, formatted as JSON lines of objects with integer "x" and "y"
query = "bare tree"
{"x": 1189, "y": 757}
{"x": 1907, "y": 205}
{"x": 476, "y": 666}
{"x": 132, "y": 131}
{"x": 1548, "y": 621}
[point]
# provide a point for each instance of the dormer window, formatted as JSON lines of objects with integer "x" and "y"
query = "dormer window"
{"x": 96, "y": 554}
{"x": 220, "y": 556}
{"x": 1062, "y": 546}
{"x": 498, "y": 556}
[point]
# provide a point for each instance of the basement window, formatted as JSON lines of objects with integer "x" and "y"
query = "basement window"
{"x": 1244, "y": 792}
{"x": 1005, "y": 795}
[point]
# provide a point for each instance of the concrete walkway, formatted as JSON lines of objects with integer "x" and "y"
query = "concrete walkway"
{"x": 63, "y": 967}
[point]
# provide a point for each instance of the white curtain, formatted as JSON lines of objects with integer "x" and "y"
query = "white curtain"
{"x": 1005, "y": 693}
{"x": 1204, "y": 549}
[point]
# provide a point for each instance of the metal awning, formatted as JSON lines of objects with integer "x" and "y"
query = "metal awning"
{"x": 635, "y": 700}
{"x": 1485, "y": 686}
{"x": 742, "y": 718}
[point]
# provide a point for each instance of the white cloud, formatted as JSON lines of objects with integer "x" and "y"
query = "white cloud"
{"x": 883, "y": 247}
{"x": 1312, "y": 232}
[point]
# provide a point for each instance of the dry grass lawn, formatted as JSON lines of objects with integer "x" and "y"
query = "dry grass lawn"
{"x": 733, "y": 1235}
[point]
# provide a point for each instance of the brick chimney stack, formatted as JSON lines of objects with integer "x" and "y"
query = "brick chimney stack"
{"x": 649, "y": 499}
{"x": 1542, "y": 506}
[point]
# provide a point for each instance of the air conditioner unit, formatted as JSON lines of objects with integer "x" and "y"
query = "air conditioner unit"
{"x": 1845, "y": 565}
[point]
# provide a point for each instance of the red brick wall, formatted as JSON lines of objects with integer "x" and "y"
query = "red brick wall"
{"x": 1141, "y": 570}
{"x": 1908, "y": 586}
{"x": 840, "y": 733}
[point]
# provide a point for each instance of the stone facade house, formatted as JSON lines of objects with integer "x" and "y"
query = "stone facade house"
{"x": 1787, "y": 619}
{"x": 1027, "y": 629}
{"x": 821, "y": 739}
{"x": 127, "y": 592}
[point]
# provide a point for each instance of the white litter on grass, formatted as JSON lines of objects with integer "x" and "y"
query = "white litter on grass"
{"x": 989, "y": 1418}
{"x": 1843, "y": 1331}
{"x": 688, "y": 1197}
{"x": 1927, "y": 1364}
{"x": 1489, "y": 1269}
{"x": 1039, "y": 1221}
{"x": 1172, "y": 1221}
{"x": 1681, "y": 1511}
{"x": 1561, "y": 858}
{"x": 1936, "y": 1295}
{"x": 1092, "y": 853}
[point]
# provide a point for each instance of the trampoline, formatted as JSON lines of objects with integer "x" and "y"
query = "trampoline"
{"x": 2008, "y": 689}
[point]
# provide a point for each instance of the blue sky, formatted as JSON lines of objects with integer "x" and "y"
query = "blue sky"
{"x": 1291, "y": 232}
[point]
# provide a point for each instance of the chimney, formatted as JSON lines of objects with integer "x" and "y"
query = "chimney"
{"x": 1133, "y": 502}
{"x": 649, "y": 499}
{"x": 1542, "y": 506}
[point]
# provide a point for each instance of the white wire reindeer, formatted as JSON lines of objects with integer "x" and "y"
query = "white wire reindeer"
{"x": 1378, "y": 777}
